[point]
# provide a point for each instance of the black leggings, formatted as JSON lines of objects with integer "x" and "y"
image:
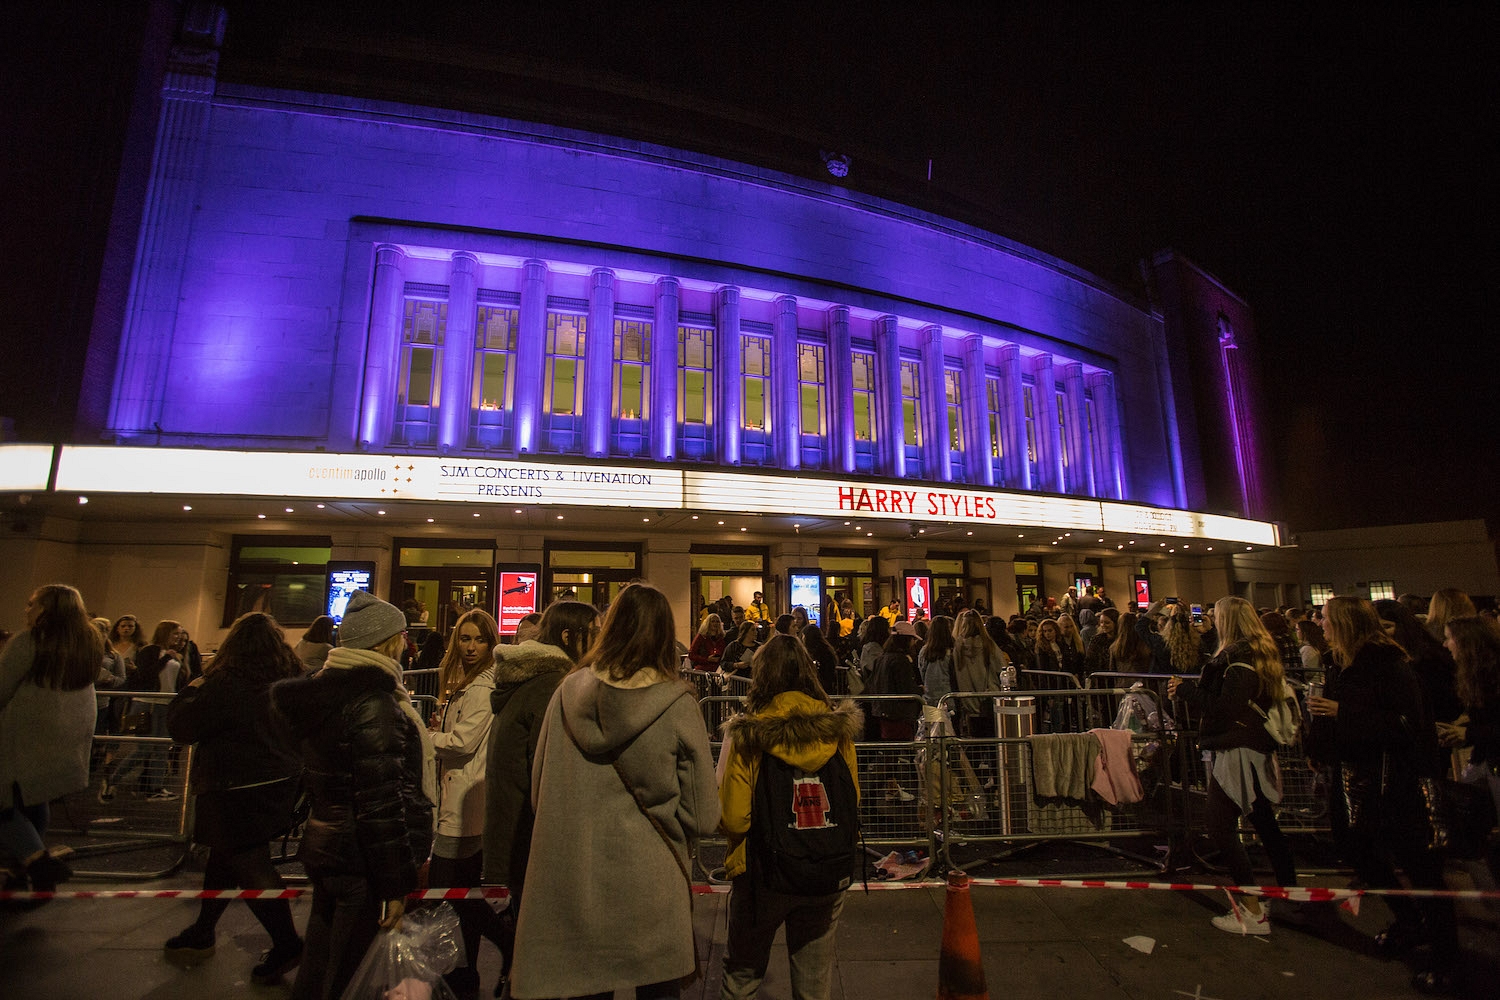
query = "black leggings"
{"x": 247, "y": 868}
{"x": 1224, "y": 828}
{"x": 474, "y": 915}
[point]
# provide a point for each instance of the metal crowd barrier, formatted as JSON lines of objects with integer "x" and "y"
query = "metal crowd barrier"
{"x": 421, "y": 682}
{"x": 140, "y": 827}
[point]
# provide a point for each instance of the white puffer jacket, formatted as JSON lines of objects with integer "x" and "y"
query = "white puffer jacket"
{"x": 461, "y": 742}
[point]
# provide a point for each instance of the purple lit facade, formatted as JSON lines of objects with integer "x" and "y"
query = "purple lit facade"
{"x": 320, "y": 273}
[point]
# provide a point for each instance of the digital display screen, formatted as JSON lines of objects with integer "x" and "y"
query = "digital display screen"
{"x": 343, "y": 580}
{"x": 918, "y": 592}
{"x": 807, "y": 592}
{"x": 1142, "y": 592}
{"x": 519, "y": 595}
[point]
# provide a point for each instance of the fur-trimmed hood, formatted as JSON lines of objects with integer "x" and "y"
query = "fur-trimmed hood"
{"x": 797, "y": 728}
{"x": 518, "y": 664}
{"x": 306, "y": 702}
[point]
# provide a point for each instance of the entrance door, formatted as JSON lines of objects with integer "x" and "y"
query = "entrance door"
{"x": 1028, "y": 583}
{"x": 591, "y": 575}
{"x": 434, "y": 586}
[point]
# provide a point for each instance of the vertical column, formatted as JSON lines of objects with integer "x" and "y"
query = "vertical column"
{"x": 531, "y": 357}
{"x": 786, "y": 419}
{"x": 891, "y": 432}
{"x": 1044, "y": 403}
{"x": 1107, "y": 445}
{"x": 729, "y": 400}
{"x": 663, "y": 415}
{"x": 1080, "y": 452}
{"x": 598, "y": 364}
{"x": 383, "y": 348}
{"x": 1013, "y": 419}
{"x": 840, "y": 367}
{"x": 145, "y": 350}
{"x": 455, "y": 387}
{"x": 937, "y": 457}
{"x": 1242, "y": 423}
{"x": 974, "y": 408}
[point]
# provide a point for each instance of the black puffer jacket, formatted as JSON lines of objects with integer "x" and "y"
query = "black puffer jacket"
{"x": 363, "y": 759}
{"x": 1222, "y": 697}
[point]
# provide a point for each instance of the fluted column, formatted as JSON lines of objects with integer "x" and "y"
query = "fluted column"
{"x": 839, "y": 365}
{"x": 1016, "y": 463}
{"x": 729, "y": 400}
{"x": 786, "y": 422}
{"x": 663, "y": 416}
{"x": 937, "y": 461}
{"x": 1080, "y": 452}
{"x": 455, "y": 387}
{"x": 1107, "y": 443}
{"x": 974, "y": 408}
{"x": 1044, "y": 403}
{"x": 531, "y": 356}
{"x": 1242, "y": 421}
{"x": 598, "y": 360}
{"x": 145, "y": 350}
{"x": 891, "y": 433}
{"x": 383, "y": 348}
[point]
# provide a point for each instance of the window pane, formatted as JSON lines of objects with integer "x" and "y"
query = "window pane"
{"x": 812, "y": 410}
{"x": 496, "y": 328}
{"x": 630, "y": 392}
{"x": 563, "y": 385}
{"x": 419, "y": 377}
{"x": 862, "y": 417}
{"x": 491, "y": 385}
{"x": 693, "y": 406}
{"x": 755, "y": 404}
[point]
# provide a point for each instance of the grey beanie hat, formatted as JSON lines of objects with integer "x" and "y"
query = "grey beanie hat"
{"x": 369, "y": 621}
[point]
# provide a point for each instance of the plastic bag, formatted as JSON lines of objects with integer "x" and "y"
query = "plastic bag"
{"x": 409, "y": 963}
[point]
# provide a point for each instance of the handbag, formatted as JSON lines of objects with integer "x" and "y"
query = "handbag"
{"x": 1460, "y": 816}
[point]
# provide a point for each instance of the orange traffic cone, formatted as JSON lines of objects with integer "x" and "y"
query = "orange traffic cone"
{"x": 960, "y": 972}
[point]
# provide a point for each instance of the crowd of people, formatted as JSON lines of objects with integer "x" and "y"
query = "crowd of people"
{"x": 550, "y": 757}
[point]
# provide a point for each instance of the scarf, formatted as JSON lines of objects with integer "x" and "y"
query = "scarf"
{"x": 344, "y": 658}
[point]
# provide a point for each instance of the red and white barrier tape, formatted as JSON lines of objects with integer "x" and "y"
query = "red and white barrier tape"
{"x": 1307, "y": 894}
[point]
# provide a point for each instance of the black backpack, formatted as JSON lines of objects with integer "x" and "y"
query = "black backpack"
{"x": 804, "y": 828}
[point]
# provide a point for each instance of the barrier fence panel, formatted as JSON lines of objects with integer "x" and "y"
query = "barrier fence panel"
{"x": 894, "y": 809}
{"x": 1055, "y": 714}
{"x": 135, "y": 817}
{"x": 421, "y": 682}
{"x": 997, "y": 789}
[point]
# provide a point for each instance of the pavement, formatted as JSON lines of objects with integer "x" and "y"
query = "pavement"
{"x": 1042, "y": 943}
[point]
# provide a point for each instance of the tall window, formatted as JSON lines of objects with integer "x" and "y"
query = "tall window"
{"x": 695, "y": 375}
{"x": 632, "y": 362}
{"x": 495, "y": 353}
{"x": 1062, "y": 428}
{"x": 953, "y": 395}
{"x": 864, "y": 396}
{"x": 564, "y": 377}
{"x": 911, "y": 404}
{"x": 755, "y": 362}
{"x": 1029, "y": 396}
{"x": 992, "y": 391}
{"x": 1382, "y": 590}
{"x": 1321, "y": 593}
{"x": 810, "y": 374}
{"x": 422, "y": 331}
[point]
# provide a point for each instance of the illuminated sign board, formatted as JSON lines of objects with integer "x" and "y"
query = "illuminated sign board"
{"x": 189, "y": 471}
{"x": 918, "y": 590}
{"x": 24, "y": 467}
{"x": 520, "y": 591}
{"x": 364, "y": 477}
{"x": 344, "y": 578}
{"x": 807, "y": 591}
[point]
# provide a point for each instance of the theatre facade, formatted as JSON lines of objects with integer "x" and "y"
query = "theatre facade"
{"x": 457, "y": 355}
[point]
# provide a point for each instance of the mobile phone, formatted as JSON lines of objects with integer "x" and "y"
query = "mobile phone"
{"x": 1197, "y": 612}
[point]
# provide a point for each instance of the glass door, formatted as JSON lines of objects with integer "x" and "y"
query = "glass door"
{"x": 434, "y": 586}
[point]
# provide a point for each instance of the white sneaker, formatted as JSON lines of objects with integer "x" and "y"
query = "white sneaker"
{"x": 899, "y": 794}
{"x": 1241, "y": 921}
{"x": 162, "y": 795}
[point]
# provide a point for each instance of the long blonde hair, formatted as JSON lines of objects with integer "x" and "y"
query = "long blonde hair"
{"x": 1447, "y": 604}
{"x": 451, "y": 673}
{"x": 1352, "y": 623}
{"x": 1236, "y": 620}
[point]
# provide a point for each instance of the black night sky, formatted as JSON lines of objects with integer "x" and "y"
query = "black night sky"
{"x": 1331, "y": 168}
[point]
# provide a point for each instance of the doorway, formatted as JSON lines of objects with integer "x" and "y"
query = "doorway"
{"x": 589, "y": 573}
{"x": 1028, "y": 583}
{"x": 434, "y": 586}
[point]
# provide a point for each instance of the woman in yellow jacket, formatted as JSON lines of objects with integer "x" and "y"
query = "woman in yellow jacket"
{"x": 789, "y": 716}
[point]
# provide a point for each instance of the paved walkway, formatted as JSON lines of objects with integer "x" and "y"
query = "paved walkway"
{"x": 1042, "y": 943}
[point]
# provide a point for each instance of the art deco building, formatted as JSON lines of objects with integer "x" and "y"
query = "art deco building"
{"x": 448, "y": 346}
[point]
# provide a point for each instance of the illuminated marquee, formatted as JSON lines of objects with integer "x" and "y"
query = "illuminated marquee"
{"x": 25, "y": 467}
{"x": 396, "y": 477}
{"x": 363, "y": 477}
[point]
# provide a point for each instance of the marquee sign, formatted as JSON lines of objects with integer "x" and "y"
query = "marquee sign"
{"x": 544, "y": 482}
{"x": 24, "y": 467}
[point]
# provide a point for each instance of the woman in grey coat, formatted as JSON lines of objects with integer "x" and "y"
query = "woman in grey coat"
{"x": 623, "y": 786}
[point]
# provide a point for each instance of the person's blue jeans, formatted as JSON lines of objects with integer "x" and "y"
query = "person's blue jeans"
{"x": 147, "y": 760}
{"x": 21, "y": 828}
{"x": 755, "y": 913}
